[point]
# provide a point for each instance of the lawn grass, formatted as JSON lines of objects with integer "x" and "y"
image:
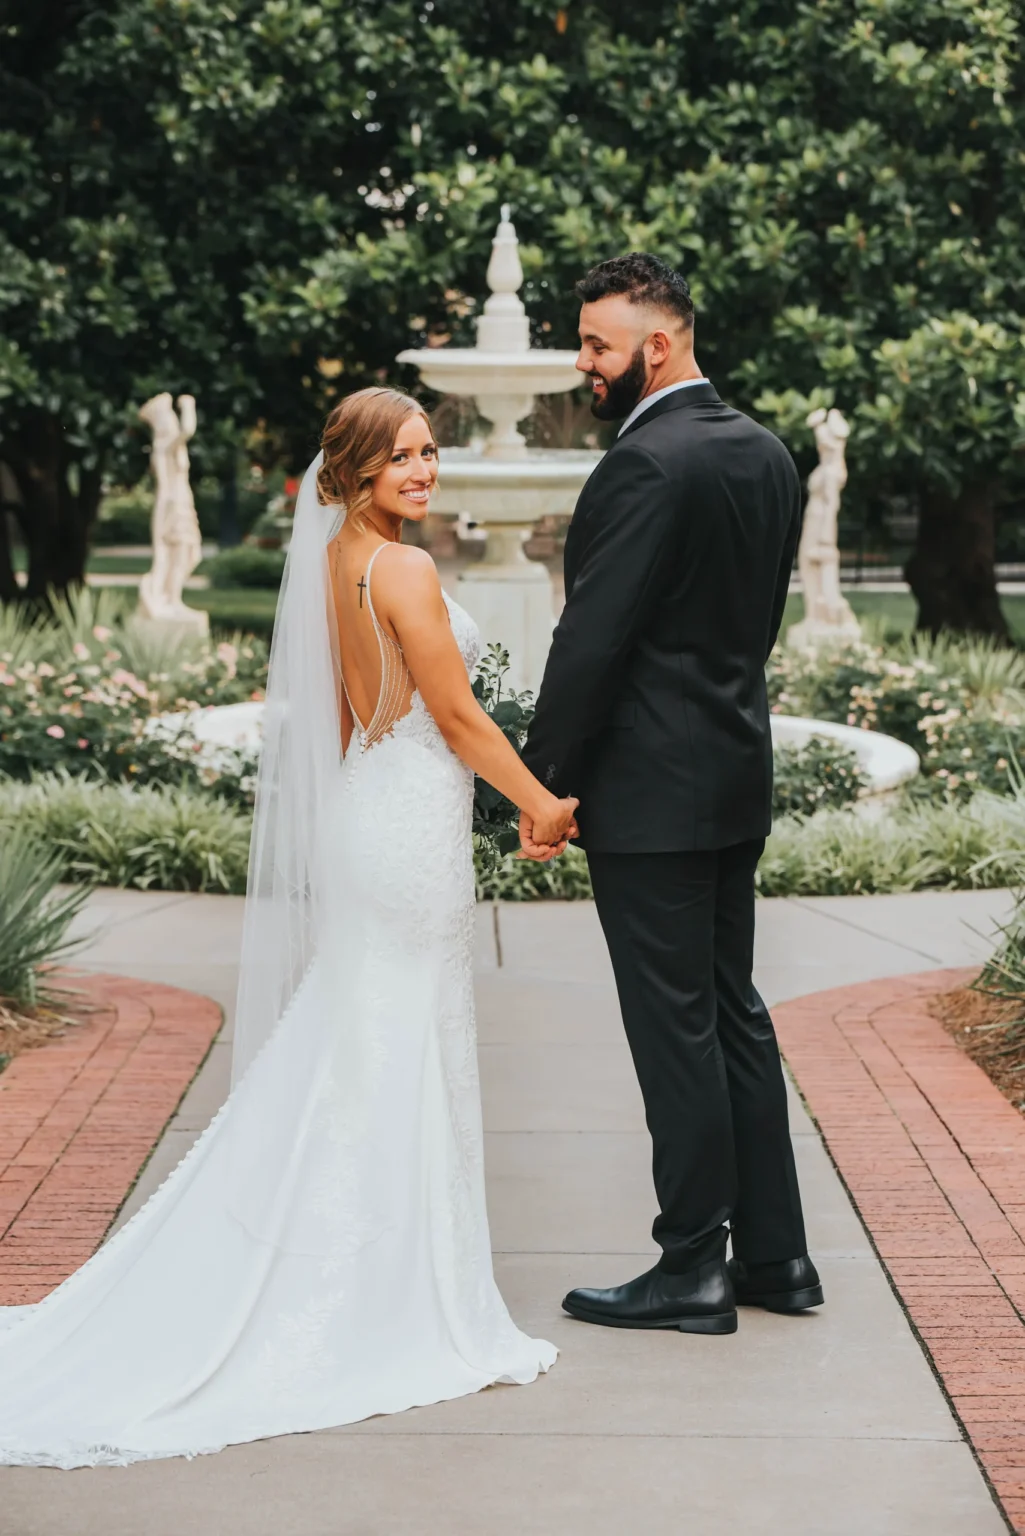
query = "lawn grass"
{"x": 246, "y": 608}
{"x": 117, "y": 565}
{"x": 897, "y": 610}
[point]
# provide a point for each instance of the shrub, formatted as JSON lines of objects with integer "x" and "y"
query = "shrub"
{"x": 246, "y": 566}
{"x": 495, "y": 818}
{"x": 822, "y": 774}
{"x": 34, "y": 923}
{"x": 153, "y": 838}
{"x": 510, "y": 879}
{"x": 923, "y": 847}
{"x": 125, "y": 517}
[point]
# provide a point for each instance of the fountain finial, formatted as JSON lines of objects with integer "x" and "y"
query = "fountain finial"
{"x": 504, "y": 327}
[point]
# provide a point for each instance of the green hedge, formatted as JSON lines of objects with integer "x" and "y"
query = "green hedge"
{"x": 245, "y": 566}
{"x": 150, "y": 838}
{"x": 839, "y": 853}
{"x": 160, "y": 838}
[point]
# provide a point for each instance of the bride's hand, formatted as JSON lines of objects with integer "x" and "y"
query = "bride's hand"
{"x": 546, "y": 833}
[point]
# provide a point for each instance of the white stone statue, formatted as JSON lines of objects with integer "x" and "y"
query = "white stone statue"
{"x": 827, "y": 613}
{"x": 177, "y": 546}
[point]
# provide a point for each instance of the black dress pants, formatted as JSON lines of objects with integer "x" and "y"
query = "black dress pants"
{"x": 680, "y": 931}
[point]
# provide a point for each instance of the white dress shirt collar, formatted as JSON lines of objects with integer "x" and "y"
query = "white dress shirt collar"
{"x": 642, "y": 405}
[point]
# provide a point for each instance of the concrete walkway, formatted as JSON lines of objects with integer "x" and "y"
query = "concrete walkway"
{"x": 826, "y": 1425}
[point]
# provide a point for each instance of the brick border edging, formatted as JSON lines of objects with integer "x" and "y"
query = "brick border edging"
{"x": 79, "y": 1118}
{"x": 933, "y": 1157}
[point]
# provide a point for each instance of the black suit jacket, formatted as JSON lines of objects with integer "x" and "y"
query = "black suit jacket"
{"x": 653, "y": 707}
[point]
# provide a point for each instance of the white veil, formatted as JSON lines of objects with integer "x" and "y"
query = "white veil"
{"x": 298, "y": 760}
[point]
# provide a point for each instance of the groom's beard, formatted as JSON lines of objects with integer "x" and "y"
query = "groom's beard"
{"x": 622, "y": 394}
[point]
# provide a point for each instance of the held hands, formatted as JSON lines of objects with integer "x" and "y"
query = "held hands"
{"x": 544, "y": 836}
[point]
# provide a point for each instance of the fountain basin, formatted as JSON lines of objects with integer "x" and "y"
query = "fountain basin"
{"x": 543, "y": 483}
{"x": 471, "y": 371}
{"x": 885, "y": 762}
{"x": 223, "y": 731}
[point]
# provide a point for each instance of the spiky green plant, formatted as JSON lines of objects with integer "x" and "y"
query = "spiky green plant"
{"x": 34, "y": 921}
{"x": 920, "y": 847}
{"x": 158, "y": 652}
{"x": 1003, "y": 976}
{"x": 991, "y": 672}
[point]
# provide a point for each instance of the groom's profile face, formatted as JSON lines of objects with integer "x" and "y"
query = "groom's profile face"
{"x": 613, "y": 333}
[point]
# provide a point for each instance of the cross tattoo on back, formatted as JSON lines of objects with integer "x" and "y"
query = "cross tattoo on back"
{"x": 361, "y": 584}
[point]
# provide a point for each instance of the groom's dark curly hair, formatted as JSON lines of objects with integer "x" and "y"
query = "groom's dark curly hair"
{"x": 643, "y": 279}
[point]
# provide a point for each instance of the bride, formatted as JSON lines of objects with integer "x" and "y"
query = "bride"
{"x": 322, "y": 1253}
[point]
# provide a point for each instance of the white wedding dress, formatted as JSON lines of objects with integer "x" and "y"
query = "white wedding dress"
{"x": 322, "y": 1253}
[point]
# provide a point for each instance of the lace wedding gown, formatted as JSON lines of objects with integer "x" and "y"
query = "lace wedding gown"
{"x": 322, "y": 1253}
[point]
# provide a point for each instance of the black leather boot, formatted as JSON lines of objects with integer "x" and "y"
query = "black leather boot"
{"x": 792, "y": 1285}
{"x": 700, "y": 1301}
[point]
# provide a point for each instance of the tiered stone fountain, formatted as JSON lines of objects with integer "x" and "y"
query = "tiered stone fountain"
{"x": 505, "y": 486}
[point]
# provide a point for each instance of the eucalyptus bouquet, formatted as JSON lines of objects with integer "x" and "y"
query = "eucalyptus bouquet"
{"x": 495, "y": 818}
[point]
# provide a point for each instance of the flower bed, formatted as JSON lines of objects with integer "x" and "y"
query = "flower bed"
{"x": 82, "y": 703}
{"x": 961, "y": 705}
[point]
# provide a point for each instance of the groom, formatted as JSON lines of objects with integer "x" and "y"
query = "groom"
{"x": 653, "y": 710}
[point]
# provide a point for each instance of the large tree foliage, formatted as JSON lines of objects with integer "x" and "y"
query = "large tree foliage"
{"x": 263, "y": 201}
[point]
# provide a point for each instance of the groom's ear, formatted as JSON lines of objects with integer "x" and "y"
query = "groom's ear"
{"x": 659, "y": 344}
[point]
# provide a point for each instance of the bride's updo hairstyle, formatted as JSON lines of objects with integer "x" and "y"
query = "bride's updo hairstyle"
{"x": 358, "y": 440}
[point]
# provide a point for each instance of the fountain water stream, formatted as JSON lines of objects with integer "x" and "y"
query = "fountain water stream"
{"x": 505, "y": 486}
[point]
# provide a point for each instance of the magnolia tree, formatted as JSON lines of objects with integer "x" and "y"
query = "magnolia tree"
{"x": 262, "y": 204}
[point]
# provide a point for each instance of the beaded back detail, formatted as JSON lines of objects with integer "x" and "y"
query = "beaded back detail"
{"x": 393, "y": 700}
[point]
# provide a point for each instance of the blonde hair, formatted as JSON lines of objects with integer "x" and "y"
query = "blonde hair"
{"x": 358, "y": 440}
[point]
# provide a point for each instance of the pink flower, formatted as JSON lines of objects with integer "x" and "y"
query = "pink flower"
{"x": 80, "y": 650}
{"x": 101, "y": 632}
{"x": 81, "y": 742}
{"x": 129, "y": 680}
{"x": 57, "y": 731}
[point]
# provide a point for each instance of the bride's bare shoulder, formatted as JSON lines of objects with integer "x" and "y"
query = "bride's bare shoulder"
{"x": 405, "y": 574}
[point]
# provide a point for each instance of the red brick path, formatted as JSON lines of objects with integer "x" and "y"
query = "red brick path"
{"x": 79, "y": 1117}
{"x": 934, "y": 1157}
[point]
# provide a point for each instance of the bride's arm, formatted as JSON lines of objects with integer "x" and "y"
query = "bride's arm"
{"x": 408, "y": 600}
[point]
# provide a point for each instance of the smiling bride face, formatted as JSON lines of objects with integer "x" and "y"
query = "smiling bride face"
{"x": 403, "y": 487}
{"x": 380, "y": 458}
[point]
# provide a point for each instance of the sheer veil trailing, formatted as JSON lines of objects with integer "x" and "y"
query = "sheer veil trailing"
{"x": 298, "y": 763}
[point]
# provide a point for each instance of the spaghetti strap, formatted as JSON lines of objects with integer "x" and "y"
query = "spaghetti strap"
{"x": 370, "y": 597}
